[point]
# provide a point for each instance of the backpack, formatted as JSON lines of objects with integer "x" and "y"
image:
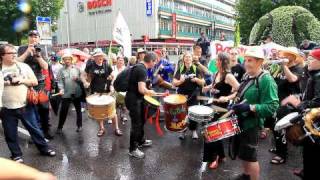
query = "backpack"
{"x": 121, "y": 83}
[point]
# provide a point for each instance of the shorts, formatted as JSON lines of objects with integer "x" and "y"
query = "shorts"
{"x": 248, "y": 144}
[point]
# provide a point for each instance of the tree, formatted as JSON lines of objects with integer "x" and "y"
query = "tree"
{"x": 249, "y": 11}
{"x": 9, "y": 13}
{"x": 288, "y": 25}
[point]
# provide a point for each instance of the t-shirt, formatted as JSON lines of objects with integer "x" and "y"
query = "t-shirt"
{"x": 285, "y": 88}
{"x": 138, "y": 74}
{"x": 32, "y": 62}
{"x": 16, "y": 96}
{"x": 238, "y": 71}
{"x": 98, "y": 75}
{"x": 187, "y": 87}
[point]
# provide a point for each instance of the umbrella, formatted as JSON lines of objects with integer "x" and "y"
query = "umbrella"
{"x": 75, "y": 52}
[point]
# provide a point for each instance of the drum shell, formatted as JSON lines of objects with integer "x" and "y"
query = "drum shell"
{"x": 175, "y": 116}
{"x": 295, "y": 134}
{"x": 221, "y": 129}
{"x": 101, "y": 112}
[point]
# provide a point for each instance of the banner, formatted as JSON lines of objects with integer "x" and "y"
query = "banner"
{"x": 121, "y": 34}
{"x": 225, "y": 46}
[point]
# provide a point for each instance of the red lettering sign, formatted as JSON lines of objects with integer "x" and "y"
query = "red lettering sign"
{"x": 94, "y": 4}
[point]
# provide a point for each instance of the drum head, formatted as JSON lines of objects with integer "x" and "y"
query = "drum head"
{"x": 100, "y": 100}
{"x": 151, "y": 100}
{"x": 285, "y": 121}
{"x": 200, "y": 110}
{"x": 175, "y": 99}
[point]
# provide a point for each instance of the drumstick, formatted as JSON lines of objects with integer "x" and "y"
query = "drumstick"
{"x": 231, "y": 111}
{"x": 204, "y": 98}
{"x": 57, "y": 94}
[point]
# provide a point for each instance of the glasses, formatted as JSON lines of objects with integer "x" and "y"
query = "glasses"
{"x": 11, "y": 53}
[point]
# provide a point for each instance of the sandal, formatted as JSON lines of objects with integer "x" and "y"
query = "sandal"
{"x": 118, "y": 132}
{"x": 214, "y": 164}
{"x": 273, "y": 150}
{"x": 277, "y": 160}
{"x": 263, "y": 134}
{"x": 101, "y": 132}
{"x": 299, "y": 173}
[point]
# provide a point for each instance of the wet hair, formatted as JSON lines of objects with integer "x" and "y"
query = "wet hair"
{"x": 150, "y": 56}
{"x": 224, "y": 58}
{"x": 3, "y": 49}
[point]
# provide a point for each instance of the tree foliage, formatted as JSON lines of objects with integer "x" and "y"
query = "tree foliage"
{"x": 9, "y": 12}
{"x": 249, "y": 12}
{"x": 288, "y": 25}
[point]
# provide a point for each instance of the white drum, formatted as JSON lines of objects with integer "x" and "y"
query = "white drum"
{"x": 285, "y": 121}
{"x": 101, "y": 106}
{"x": 200, "y": 113}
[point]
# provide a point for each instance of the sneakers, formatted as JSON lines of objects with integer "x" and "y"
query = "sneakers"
{"x": 79, "y": 129}
{"x": 182, "y": 135}
{"x": 49, "y": 152}
{"x": 109, "y": 121}
{"x": 203, "y": 166}
{"x": 195, "y": 135}
{"x": 137, "y": 154}
{"x": 18, "y": 159}
{"x": 146, "y": 143}
{"x": 83, "y": 109}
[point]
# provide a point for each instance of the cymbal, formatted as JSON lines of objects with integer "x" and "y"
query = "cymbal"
{"x": 219, "y": 109}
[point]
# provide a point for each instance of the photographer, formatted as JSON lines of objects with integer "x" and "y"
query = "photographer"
{"x": 33, "y": 55}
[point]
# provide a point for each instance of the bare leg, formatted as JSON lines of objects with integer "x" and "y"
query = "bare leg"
{"x": 118, "y": 132}
{"x": 252, "y": 169}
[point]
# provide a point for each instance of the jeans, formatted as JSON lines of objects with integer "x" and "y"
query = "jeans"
{"x": 10, "y": 119}
{"x": 65, "y": 103}
{"x": 136, "y": 112}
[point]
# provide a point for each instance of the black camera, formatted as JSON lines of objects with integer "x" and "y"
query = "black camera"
{"x": 37, "y": 48}
{"x": 9, "y": 78}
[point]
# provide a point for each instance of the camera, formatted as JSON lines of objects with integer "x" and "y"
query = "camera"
{"x": 37, "y": 48}
{"x": 9, "y": 78}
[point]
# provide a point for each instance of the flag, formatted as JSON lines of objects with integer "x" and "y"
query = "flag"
{"x": 121, "y": 34}
{"x": 237, "y": 35}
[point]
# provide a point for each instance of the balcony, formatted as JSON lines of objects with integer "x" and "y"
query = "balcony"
{"x": 193, "y": 15}
{"x": 165, "y": 32}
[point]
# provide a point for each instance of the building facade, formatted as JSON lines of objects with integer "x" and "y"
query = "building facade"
{"x": 152, "y": 23}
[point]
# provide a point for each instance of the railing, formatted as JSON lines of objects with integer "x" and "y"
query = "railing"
{"x": 196, "y": 16}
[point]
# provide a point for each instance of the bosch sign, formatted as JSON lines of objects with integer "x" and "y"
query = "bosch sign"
{"x": 94, "y": 4}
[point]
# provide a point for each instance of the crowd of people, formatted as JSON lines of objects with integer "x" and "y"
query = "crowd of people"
{"x": 260, "y": 89}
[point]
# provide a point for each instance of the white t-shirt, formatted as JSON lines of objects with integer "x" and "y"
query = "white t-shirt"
{"x": 15, "y": 97}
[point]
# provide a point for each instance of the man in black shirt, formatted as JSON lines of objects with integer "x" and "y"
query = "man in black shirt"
{"x": 236, "y": 68}
{"x": 307, "y": 45}
{"x": 135, "y": 104}
{"x": 98, "y": 77}
{"x": 204, "y": 43}
{"x": 33, "y": 55}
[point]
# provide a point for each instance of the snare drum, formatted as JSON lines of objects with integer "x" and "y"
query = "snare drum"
{"x": 199, "y": 113}
{"x": 175, "y": 107}
{"x": 101, "y": 106}
{"x": 221, "y": 129}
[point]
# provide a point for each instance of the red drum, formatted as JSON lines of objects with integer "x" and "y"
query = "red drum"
{"x": 221, "y": 129}
{"x": 175, "y": 107}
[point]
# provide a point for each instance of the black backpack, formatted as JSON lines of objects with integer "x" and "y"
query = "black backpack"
{"x": 121, "y": 83}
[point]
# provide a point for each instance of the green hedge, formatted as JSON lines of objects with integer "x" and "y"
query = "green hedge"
{"x": 288, "y": 25}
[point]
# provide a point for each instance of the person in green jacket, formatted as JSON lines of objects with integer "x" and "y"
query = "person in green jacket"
{"x": 258, "y": 100}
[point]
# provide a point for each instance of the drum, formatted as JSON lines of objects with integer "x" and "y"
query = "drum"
{"x": 285, "y": 121}
{"x": 199, "y": 113}
{"x": 221, "y": 129}
{"x": 175, "y": 108}
{"x": 120, "y": 98}
{"x": 295, "y": 134}
{"x": 101, "y": 106}
{"x": 151, "y": 106}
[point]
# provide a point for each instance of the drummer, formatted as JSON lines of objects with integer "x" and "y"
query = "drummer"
{"x": 311, "y": 99}
{"x": 288, "y": 84}
{"x": 188, "y": 79}
{"x": 69, "y": 84}
{"x": 258, "y": 100}
{"x": 121, "y": 109}
{"x": 226, "y": 85}
{"x": 98, "y": 77}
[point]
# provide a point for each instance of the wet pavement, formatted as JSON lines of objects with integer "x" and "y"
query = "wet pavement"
{"x": 85, "y": 156}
